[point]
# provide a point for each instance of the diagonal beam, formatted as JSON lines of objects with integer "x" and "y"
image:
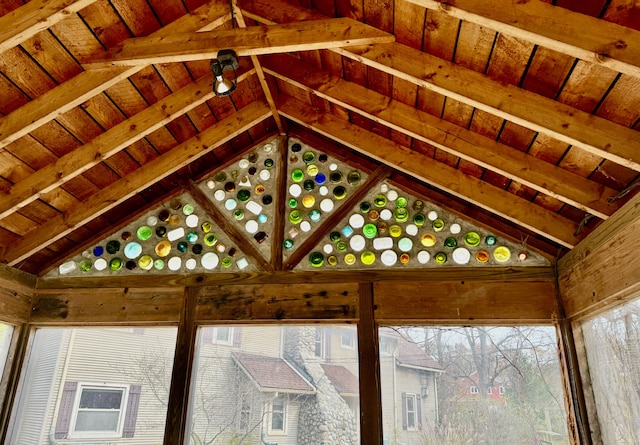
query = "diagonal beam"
{"x": 533, "y": 172}
{"x": 520, "y": 211}
{"x": 150, "y": 173}
{"x": 577, "y": 35}
{"x": 37, "y": 15}
{"x": 85, "y": 85}
{"x": 253, "y": 40}
{"x": 562, "y": 122}
{"x": 106, "y": 145}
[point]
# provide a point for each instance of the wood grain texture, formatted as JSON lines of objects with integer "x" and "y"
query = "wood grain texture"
{"x": 253, "y": 40}
{"x": 106, "y": 199}
{"x": 16, "y": 292}
{"x": 460, "y": 302}
{"x": 483, "y": 151}
{"x": 505, "y": 204}
{"x": 602, "y": 271}
{"x": 577, "y": 35}
{"x": 107, "y": 306}
{"x": 284, "y": 302}
{"x": 28, "y": 20}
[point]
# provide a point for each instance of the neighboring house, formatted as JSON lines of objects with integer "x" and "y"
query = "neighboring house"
{"x": 469, "y": 387}
{"x": 252, "y": 385}
{"x": 409, "y": 389}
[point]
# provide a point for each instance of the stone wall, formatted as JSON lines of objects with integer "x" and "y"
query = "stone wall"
{"x": 325, "y": 419}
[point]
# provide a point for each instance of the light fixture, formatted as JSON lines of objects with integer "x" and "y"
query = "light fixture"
{"x": 226, "y": 60}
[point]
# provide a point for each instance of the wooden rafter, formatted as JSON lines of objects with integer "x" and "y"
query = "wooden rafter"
{"x": 516, "y": 165}
{"x": 525, "y": 213}
{"x": 84, "y": 86}
{"x": 565, "y": 31}
{"x": 596, "y": 135}
{"x": 37, "y": 15}
{"x": 133, "y": 183}
{"x": 107, "y": 144}
{"x": 253, "y": 40}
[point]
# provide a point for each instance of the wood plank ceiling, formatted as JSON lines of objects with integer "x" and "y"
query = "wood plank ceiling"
{"x": 522, "y": 116}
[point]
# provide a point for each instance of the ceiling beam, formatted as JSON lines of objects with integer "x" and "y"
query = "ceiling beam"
{"x": 86, "y": 85}
{"x": 145, "y": 176}
{"x": 253, "y": 40}
{"x": 577, "y": 35}
{"x": 594, "y": 134}
{"x": 520, "y": 211}
{"x": 533, "y": 172}
{"x": 106, "y": 145}
{"x": 37, "y": 15}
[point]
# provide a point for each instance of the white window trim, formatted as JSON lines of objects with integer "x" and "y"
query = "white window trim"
{"x": 321, "y": 340}
{"x": 285, "y": 415}
{"x": 96, "y": 434}
{"x": 473, "y": 389}
{"x": 489, "y": 390}
{"x": 350, "y": 336}
{"x": 501, "y": 389}
{"x": 411, "y": 396}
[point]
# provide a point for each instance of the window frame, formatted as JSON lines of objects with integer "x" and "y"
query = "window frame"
{"x": 473, "y": 389}
{"x": 214, "y": 340}
{"x": 73, "y": 434}
{"x": 411, "y": 413}
{"x": 351, "y": 339}
{"x": 272, "y": 411}
{"x": 319, "y": 340}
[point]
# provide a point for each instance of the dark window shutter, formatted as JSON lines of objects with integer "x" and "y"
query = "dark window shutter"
{"x": 132, "y": 411}
{"x": 327, "y": 343}
{"x": 404, "y": 410}
{"x": 418, "y": 412}
{"x": 66, "y": 409}
{"x": 207, "y": 335}
{"x": 237, "y": 337}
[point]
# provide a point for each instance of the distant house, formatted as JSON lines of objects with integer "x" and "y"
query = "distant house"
{"x": 470, "y": 387}
{"x": 253, "y": 385}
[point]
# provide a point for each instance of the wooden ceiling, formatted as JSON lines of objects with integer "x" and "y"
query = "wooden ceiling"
{"x": 522, "y": 116}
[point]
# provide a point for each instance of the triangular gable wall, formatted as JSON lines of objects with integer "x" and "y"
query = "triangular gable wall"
{"x": 381, "y": 227}
{"x": 390, "y": 228}
{"x": 178, "y": 237}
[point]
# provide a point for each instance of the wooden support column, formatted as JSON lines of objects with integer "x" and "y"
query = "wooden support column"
{"x": 178, "y": 403}
{"x": 16, "y": 291}
{"x": 369, "y": 354}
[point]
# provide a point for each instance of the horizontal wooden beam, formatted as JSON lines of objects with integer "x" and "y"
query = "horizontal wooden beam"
{"x": 249, "y": 41}
{"x": 108, "y": 306}
{"x": 486, "y": 152}
{"x": 37, "y": 15}
{"x": 596, "y": 135}
{"x": 281, "y": 302}
{"x": 16, "y": 290}
{"x": 136, "y": 181}
{"x": 520, "y": 211}
{"x": 462, "y": 302}
{"x": 467, "y": 274}
{"x": 602, "y": 270}
{"x": 577, "y": 35}
{"x": 82, "y": 87}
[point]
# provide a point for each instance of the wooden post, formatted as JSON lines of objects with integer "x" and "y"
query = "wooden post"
{"x": 178, "y": 403}
{"x": 370, "y": 388}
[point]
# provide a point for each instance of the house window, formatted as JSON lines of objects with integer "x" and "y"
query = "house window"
{"x": 489, "y": 390}
{"x": 278, "y": 421}
{"x": 221, "y": 335}
{"x": 319, "y": 343}
{"x": 473, "y": 389}
{"x": 501, "y": 389}
{"x": 99, "y": 411}
{"x": 411, "y": 411}
{"x": 347, "y": 339}
{"x": 385, "y": 346}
